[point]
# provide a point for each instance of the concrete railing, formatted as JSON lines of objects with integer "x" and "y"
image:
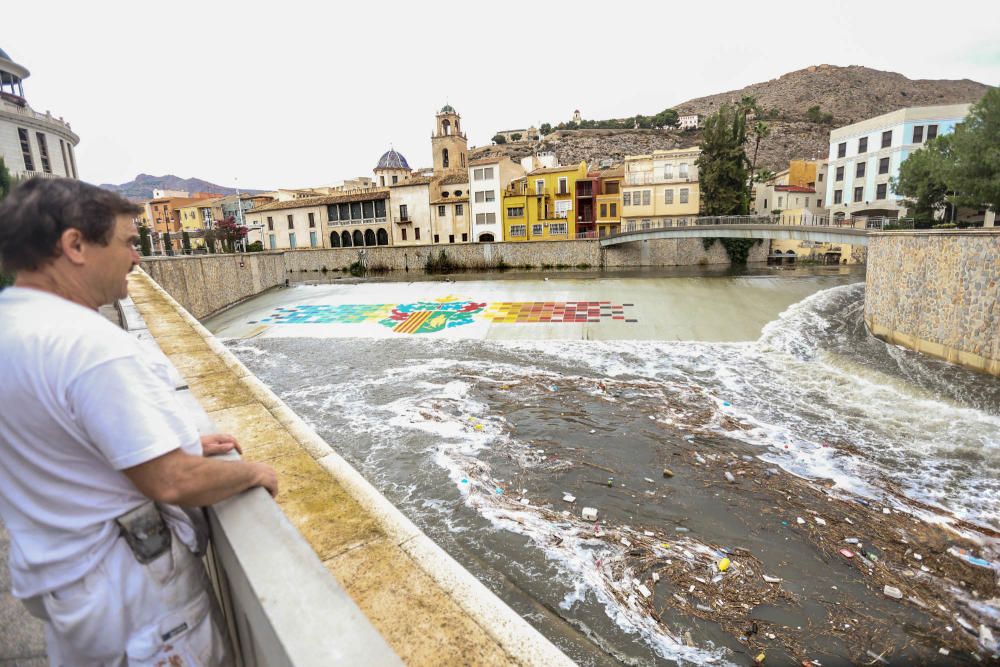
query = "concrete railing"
{"x": 265, "y": 575}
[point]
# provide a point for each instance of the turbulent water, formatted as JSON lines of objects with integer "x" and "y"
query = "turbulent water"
{"x": 478, "y": 441}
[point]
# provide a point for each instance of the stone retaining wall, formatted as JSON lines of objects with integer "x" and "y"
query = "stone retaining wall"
{"x": 937, "y": 292}
{"x": 206, "y": 284}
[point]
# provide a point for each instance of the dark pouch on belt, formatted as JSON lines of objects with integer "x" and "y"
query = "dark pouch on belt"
{"x": 145, "y": 531}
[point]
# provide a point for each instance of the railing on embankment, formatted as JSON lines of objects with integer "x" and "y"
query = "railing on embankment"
{"x": 937, "y": 292}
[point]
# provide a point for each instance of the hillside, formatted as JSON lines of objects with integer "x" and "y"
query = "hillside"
{"x": 142, "y": 186}
{"x": 848, "y": 94}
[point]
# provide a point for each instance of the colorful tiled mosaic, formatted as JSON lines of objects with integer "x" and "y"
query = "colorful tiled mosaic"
{"x": 430, "y": 316}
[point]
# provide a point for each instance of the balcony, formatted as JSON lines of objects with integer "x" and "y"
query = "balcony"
{"x": 403, "y": 219}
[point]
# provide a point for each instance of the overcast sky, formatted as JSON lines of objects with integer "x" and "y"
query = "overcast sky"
{"x": 291, "y": 94}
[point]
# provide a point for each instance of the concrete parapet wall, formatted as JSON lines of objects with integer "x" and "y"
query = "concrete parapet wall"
{"x": 205, "y": 284}
{"x": 937, "y": 292}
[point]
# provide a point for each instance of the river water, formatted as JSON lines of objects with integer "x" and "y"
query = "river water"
{"x": 493, "y": 408}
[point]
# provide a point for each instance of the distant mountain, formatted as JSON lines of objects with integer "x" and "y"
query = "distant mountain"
{"x": 142, "y": 186}
{"x": 844, "y": 95}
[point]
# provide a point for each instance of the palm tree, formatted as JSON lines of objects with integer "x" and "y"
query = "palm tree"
{"x": 761, "y": 130}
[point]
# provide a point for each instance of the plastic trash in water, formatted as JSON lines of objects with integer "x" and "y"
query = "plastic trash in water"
{"x": 851, "y": 540}
{"x": 724, "y": 564}
{"x": 772, "y": 580}
{"x": 893, "y": 592}
{"x": 569, "y": 498}
{"x": 656, "y": 577}
{"x": 478, "y": 427}
{"x": 625, "y": 542}
{"x": 799, "y": 520}
{"x": 821, "y": 521}
{"x": 589, "y": 514}
{"x": 645, "y": 591}
{"x": 730, "y": 478}
{"x": 847, "y": 553}
{"x": 727, "y": 404}
{"x": 465, "y": 481}
{"x": 667, "y": 472}
{"x": 525, "y": 501}
{"x": 499, "y": 491}
{"x": 967, "y": 556}
{"x": 681, "y": 529}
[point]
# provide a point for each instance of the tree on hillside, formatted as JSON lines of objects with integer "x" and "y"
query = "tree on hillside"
{"x": 764, "y": 175}
{"x": 722, "y": 166}
{"x": 666, "y": 118}
{"x": 545, "y": 129}
{"x": 516, "y": 136}
{"x": 499, "y": 139}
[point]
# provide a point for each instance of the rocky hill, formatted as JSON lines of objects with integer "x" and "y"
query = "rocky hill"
{"x": 843, "y": 94}
{"x": 142, "y": 186}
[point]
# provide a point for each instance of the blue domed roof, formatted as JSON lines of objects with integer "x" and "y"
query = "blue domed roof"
{"x": 3, "y": 54}
{"x": 392, "y": 160}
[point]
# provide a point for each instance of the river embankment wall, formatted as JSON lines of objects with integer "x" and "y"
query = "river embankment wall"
{"x": 937, "y": 292}
{"x": 207, "y": 284}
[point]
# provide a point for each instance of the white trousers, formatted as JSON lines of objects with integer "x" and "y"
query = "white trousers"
{"x": 124, "y": 613}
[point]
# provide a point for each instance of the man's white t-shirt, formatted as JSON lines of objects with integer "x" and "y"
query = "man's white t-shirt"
{"x": 78, "y": 404}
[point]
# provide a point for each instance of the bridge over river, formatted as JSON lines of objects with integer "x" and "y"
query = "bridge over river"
{"x": 805, "y": 228}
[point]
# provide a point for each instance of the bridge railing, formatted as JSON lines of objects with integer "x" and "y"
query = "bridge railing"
{"x": 799, "y": 220}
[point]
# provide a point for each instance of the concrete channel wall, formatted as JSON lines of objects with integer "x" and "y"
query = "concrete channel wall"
{"x": 937, "y": 292}
{"x": 207, "y": 284}
{"x": 426, "y": 607}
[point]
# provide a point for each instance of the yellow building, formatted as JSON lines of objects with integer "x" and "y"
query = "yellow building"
{"x": 608, "y": 202}
{"x": 660, "y": 189}
{"x": 541, "y": 206}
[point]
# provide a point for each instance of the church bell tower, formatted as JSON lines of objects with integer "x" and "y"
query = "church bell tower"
{"x": 448, "y": 142}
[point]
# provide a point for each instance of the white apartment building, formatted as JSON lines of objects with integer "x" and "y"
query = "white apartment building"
{"x": 410, "y": 210}
{"x": 487, "y": 179}
{"x": 31, "y": 143}
{"x": 866, "y": 155}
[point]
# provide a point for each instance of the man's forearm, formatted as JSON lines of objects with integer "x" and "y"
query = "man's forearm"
{"x": 178, "y": 478}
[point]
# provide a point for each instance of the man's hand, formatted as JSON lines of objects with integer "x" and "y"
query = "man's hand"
{"x": 219, "y": 443}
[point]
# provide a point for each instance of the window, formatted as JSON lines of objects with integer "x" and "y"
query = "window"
{"x": 312, "y": 239}
{"x": 345, "y": 212}
{"x": 271, "y": 242}
{"x": 539, "y": 187}
{"x": 558, "y": 228}
{"x": 458, "y": 209}
{"x": 668, "y": 196}
{"x": 536, "y": 230}
{"x": 436, "y": 238}
{"x": 43, "y": 152}
{"x": 840, "y": 173}
{"x": 477, "y": 174}
{"x": 491, "y": 195}
{"x": 355, "y": 211}
{"x": 627, "y": 199}
{"x": 480, "y": 196}
{"x": 646, "y": 224}
{"x": 918, "y": 134}
{"x": 668, "y": 171}
{"x": 838, "y": 196}
{"x": 820, "y": 177}
{"x": 291, "y": 240}
{"x": 883, "y": 166}
{"x": 491, "y": 218}
{"x": 291, "y": 225}
{"x": 646, "y": 197}
{"x": 604, "y": 210}
{"x": 859, "y": 193}
{"x": 563, "y": 186}
{"x": 684, "y": 195}
{"x": 369, "y": 209}
{"x": 379, "y": 208}
{"x": 887, "y": 139}
{"x": 444, "y": 162}
{"x": 403, "y": 215}
{"x": 611, "y": 188}
{"x": 781, "y": 202}
{"x": 842, "y": 149}
{"x": 270, "y": 225}
{"x": 515, "y": 212}
{"x": 402, "y": 233}
{"x": 312, "y": 221}
{"x": 862, "y": 145}
{"x": 517, "y": 230}
{"x": 480, "y": 218}
{"x": 441, "y": 211}
{"x": 859, "y": 170}
{"x": 29, "y": 163}
{"x": 684, "y": 170}
{"x": 819, "y": 203}
{"x": 880, "y": 191}
{"x": 614, "y": 209}
{"x": 395, "y": 179}
{"x": 931, "y": 132}
{"x": 465, "y": 238}
{"x": 562, "y": 208}
{"x": 416, "y": 233}
{"x": 487, "y": 173}
{"x": 331, "y": 213}
{"x": 451, "y": 238}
